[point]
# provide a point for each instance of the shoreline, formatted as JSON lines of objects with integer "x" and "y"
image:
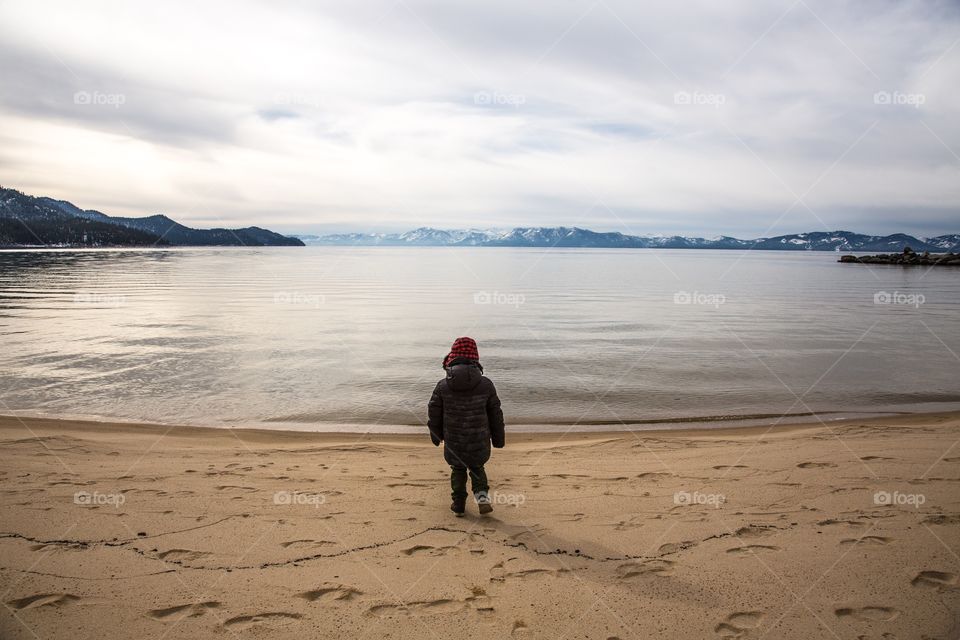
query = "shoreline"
{"x": 260, "y": 434}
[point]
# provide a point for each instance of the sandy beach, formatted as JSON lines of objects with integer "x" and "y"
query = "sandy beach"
{"x": 136, "y": 531}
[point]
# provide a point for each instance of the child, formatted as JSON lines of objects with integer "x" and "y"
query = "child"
{"x": 464, "y": 414}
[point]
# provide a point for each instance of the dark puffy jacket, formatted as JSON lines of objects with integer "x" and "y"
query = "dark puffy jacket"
{"x": 464, "y": 413}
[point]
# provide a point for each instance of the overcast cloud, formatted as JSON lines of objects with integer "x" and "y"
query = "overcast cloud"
{"x": 732, "y": 117}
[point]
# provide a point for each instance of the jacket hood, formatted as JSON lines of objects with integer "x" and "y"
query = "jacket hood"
{"x": 464, "y": 347}
{"x": 464, "y": 376}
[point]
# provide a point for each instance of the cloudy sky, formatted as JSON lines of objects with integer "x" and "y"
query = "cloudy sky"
{"x": 745, "y": 118}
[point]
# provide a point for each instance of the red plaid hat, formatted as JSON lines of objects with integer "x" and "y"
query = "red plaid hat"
{"x": 463, "y": 348}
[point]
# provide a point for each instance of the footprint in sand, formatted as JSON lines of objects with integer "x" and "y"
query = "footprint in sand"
{"x": 574, "y": 517}
{"x": 427, "y": 549}
{"x": 753, "y": 548}
{"x": 652, "y": 475}
{"x": 942, "y": 518}
{"x": 682, "y": 513}
{"x": 643, "y": 568}
{"x": 482, "y": 604}
{"x": 868, "y": 614}
{"x": 181, "y": 555}
{"x": 44, "y": 600}
{"x": 854, "y": 524}
{"x": 270, "y": 618}
{"x": 869, "y": 540}
{"x": 630, "y": 523}
{"x": 233, "y": 487}
{"x": 154, "y": 492}
{"x": 499, "y": 574}
{"x": 815, "y": 465}
{"x": 520, "y": 629}
{"x": 330, "y": 592}
{"x": 935, "y": 579}
{"x": 674, "y": 547}
{"x": 413, "y": 503}
{"x": 527, "y": 573}
{"x": 305, "y": 544}
{"x": 739, "y": 624}
{"x": 417, "y": 609}
{"x": 754, "y": 531}
{"x": 179, "y": 612}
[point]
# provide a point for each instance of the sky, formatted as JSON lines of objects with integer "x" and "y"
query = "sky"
{"x": 696, "y": 118}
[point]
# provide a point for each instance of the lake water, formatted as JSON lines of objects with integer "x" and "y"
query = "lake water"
{"x": 351, "y": 338}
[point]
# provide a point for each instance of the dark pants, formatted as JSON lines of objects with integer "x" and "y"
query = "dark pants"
{"x": 458, "y": 481}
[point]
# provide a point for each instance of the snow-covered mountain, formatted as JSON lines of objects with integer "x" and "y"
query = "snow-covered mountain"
{"x": 585, "y": 238}
{"x": 948, "y": 242}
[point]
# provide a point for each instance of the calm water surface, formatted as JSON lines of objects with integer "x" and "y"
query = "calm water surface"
{"x": 352, "y": 338}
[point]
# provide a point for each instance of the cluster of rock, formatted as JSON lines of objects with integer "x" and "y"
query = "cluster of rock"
{"x": 908, "y": 257}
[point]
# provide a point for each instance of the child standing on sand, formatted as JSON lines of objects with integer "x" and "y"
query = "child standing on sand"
{"x": 464, "y": 413}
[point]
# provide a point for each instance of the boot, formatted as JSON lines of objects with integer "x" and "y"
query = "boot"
{"x": 483, "y": 502}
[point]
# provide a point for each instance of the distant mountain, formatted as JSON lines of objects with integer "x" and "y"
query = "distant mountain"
{"x": 40, "y": 221}
{"x": 585, "y": 238}
{"x": 422, "y": 237}
{"x": 178, "y": 235}
{"x": 561, "y": 237}
{"x": 26, "y": 221}
{"x": 945, "y": 243}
